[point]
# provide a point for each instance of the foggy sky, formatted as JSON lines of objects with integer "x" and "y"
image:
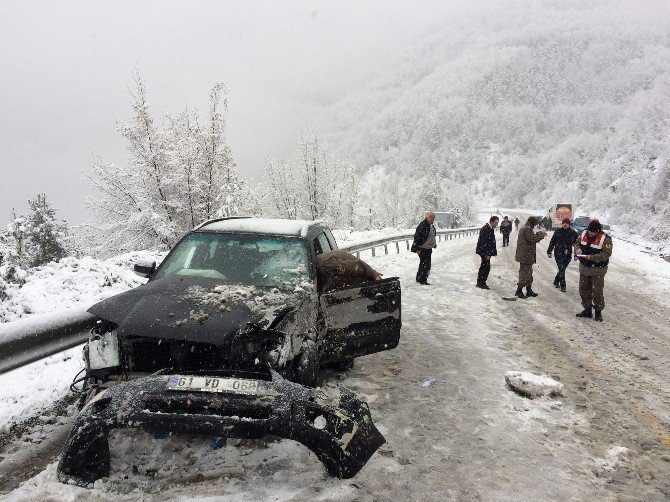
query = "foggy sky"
{"x": 66, "y": 67}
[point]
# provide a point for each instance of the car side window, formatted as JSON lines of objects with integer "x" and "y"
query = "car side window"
{"x": 331, "y": 239}
{"x": 321, "y": 244}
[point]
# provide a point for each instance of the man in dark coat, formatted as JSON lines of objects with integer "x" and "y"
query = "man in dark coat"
{"x": 505, "y": 230}
{"x": 516, "y": 223}
{"x": 561, "y": 244}
{"x": 424, "y": 243}
{"x": 486, "y": 247}
{"x": 525, "y": 255}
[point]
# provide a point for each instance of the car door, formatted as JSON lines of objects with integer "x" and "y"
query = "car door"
{"x": 360, "y": 320}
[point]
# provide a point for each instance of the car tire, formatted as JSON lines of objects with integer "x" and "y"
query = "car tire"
{"x": 306, "y": 367}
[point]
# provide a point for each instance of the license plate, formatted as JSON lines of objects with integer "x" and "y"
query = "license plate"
{"x": 210, "y": 384}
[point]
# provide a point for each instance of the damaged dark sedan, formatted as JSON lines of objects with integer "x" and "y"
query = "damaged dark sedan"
{"x": 227, "y": 339}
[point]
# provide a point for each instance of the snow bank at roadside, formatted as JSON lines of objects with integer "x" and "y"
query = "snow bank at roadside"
{"x": 72, "y": 282}
{"x": 27, "y": 391}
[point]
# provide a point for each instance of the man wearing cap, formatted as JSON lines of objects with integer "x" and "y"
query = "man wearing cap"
{"x": 561, "y": 244}
{"x": 593, "y": 250}
{"x": 525, "y": 255}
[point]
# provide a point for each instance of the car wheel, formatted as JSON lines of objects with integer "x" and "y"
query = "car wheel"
{"x": 306, "y": 368}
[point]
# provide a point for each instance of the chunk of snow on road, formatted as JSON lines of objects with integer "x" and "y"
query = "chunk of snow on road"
{"x": 531, "y": 385}
{"x": 613, "y": 457}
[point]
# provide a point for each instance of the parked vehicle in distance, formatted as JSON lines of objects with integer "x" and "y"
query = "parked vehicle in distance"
{"x": 558, "y": 212}
{"x": 580, "y": 223}
{"x": 226, "y": 339}
{"x": 445, "y": 219}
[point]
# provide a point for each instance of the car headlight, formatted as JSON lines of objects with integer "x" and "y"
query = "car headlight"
{"x": 102, "y": 354}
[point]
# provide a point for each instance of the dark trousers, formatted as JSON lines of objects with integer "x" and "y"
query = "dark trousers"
{"x": 562, "y": 263}
{"x": 484, "y": 269}
{"x": 505, "y": 239}
{"x": 424, "y": 265}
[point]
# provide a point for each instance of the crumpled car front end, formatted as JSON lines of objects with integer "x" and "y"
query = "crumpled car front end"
{"x": 336, "y": 426}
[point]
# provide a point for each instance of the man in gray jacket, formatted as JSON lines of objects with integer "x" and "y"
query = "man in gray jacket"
{"x": 525, "y": 255}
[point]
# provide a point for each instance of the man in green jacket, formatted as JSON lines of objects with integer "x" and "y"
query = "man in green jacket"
{"x": 593, "y": 249}
{"x": 525, "y": 255}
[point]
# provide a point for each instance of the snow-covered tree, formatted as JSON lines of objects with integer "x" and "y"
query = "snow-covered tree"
{"x": 177, "y": 176}
{"x": 46, "y": 235}
{"x": 313, "y": 184}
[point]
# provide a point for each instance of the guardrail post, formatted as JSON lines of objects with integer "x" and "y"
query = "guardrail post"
{"x": 358, "y": 254}
{"x": 407, "y": 242}
{"x": 386, "y": 249}
{"x": 397, "y": 246}
{"x": 373, "y": 251}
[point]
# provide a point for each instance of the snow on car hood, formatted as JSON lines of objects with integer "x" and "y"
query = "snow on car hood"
{"x": 191, "y": 308}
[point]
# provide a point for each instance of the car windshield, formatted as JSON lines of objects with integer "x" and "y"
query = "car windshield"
{"x": 582, "y": 222}
{"x": 253, "y": 260}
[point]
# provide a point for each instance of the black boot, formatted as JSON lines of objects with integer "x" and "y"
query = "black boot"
{"x": 599, "y": 316}
{"x": 519, "y": 293}
{"x": 530, "y": 292}
{"x": 563, "y": 288}
{"x": 586, "y": 313}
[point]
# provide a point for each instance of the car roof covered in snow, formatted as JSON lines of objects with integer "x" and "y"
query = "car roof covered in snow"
{"x": 259, "y": 226}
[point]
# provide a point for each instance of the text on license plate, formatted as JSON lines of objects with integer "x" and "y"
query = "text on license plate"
{"x": 210, "y": 384}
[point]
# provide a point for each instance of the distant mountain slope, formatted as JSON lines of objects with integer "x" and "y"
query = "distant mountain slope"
{"x": 533, "y": 102}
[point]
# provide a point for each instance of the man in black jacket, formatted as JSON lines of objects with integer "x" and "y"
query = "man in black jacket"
{"x": 505, "y": 230}
{"x": 486, "y": 247}
{"x": 423, "y": 245}
{"x": 561, "y": 244}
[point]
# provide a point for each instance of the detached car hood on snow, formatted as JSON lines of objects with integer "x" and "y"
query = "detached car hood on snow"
{"x": 189, "y": 308}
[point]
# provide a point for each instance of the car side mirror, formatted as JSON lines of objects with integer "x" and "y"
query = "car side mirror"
{"x": 144, "y": 269}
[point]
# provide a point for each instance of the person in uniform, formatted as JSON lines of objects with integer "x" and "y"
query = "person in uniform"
{"x": 424, "y": 243}
{"x": 525, "y": 255}
{"x": 339, "y": 269}
{"x": 505, "y": 230}
{"x": 561, "y": 245}
{"x": 486, "y": 248}
{"x": 593, "y": 249}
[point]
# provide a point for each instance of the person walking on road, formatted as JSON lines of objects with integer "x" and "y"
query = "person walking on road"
{"x": 424, "y": 243}
{"x": 486, "y": 248}
{"x": 561, "y": 244}
{"x": 593, "y": 249}
{"x": 516, "y": 223}
{"x": 525, "y": 255}
{"x": 505, "y": 230}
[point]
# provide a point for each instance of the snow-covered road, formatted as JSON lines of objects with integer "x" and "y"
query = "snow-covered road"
{"x": 465, "y": 436}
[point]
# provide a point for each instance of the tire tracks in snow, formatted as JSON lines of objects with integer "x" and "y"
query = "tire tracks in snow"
{"x": 605, "y": 366}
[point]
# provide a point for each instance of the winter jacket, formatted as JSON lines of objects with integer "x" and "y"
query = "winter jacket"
{"x": 562, "y": 241}
{"x": 525, "y": 244}
{"x": 506, "y": 227}
{"x": 599, "y": 250}
{"x": 486, "y": 244}
{"x": 421, "y": 234}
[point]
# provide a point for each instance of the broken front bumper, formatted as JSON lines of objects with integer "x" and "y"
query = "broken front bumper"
{"x": 337, "y": 427}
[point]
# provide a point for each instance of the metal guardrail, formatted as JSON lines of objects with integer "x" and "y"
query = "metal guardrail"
{"x": 36, "y": 337}
{"x": 372, "y": 244}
